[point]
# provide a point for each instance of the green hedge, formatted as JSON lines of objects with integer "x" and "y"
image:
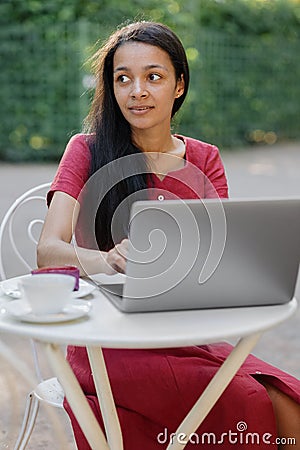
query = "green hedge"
{"x": 38, "y": 85}
{"x": 245, "y": 69}
{"x": 244, "y": 91}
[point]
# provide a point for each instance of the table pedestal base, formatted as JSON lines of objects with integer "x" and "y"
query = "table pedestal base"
{"x": 87, "y": 420}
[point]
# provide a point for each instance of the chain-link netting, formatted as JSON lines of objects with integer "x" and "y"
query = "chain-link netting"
{"x": 244, "y": 91}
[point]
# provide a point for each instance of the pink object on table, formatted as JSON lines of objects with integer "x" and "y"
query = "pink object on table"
{"x": 65, "y": 270}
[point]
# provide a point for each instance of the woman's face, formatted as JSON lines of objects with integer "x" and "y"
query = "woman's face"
{"x": 145, "y": 85}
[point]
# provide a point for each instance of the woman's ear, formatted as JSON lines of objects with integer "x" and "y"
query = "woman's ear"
{"x": 179, "y": 87}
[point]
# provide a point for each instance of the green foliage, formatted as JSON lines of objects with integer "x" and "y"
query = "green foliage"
{"x": 240, "y": 88}
{"x": 39, "y": 106}
{"x": 243, "y": 57}
{"x": 251, "y": 17}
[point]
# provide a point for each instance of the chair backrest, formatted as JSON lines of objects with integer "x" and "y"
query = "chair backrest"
{"x": 19, "y": 233}
{"x": 20, "y": 230}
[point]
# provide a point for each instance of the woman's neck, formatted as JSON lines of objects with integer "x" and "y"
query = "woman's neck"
{"x": 165, "y": 153}
{"x": 147, "y": 141}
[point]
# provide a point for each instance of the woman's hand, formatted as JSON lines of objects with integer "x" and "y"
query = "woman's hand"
{"x": 116, "y": 258}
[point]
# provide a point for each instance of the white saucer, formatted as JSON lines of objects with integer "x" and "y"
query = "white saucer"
{"x": 20, "y": 311}
{"x": 85, "y": 288}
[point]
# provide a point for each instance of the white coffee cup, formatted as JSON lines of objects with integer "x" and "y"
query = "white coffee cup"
{"x": 47, "y": 293}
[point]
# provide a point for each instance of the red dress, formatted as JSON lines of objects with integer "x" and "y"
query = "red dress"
{"x": 155, "y": 389}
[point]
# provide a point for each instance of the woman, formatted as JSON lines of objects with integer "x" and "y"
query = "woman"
{"x": 142, "y": 80}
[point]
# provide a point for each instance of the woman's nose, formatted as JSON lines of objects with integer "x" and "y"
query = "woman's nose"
{"x": 139, "y": 89}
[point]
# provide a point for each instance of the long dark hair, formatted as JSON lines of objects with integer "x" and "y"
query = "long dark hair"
{"x": 110, "y": 133}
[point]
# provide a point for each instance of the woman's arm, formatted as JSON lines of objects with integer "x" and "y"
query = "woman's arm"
{"x": 55, "y": 248}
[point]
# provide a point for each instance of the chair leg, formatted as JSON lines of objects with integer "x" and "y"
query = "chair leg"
{"x": 31, "y": 411}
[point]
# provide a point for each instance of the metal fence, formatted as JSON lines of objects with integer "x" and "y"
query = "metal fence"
{"x": 241, "y": 92}
{"x": 41, "y": 89}
{"x": 247, "y": 90}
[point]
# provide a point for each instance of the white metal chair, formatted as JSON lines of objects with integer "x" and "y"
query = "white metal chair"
{"x": 18, "y": 243}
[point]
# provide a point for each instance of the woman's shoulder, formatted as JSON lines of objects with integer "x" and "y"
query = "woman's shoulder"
{"x": 198, "y": 152}
{"x": 206, "y": 157}
{"x": 196, "y": 144}
{"x": 81, "y": 140}
{"x": 74, "y": 167}
{"x": 77, "y": 148}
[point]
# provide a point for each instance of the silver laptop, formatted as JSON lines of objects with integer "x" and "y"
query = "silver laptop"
{"x": 197, "y": 254}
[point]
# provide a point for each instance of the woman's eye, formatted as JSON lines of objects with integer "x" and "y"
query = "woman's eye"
{"x": 154, "y": 77}
{"x": 123, "y": 78}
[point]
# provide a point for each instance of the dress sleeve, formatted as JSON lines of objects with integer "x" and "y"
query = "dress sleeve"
{"x": 73, "y": 170}
{"x": 216, "y": 182}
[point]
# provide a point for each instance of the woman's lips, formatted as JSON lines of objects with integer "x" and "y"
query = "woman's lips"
{"x": 140, "y": 110}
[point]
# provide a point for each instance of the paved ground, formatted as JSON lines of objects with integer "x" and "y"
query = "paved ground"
{"x": 260, "y": 171}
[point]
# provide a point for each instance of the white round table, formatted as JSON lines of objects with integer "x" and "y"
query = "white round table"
{"x": 105, "y": 326}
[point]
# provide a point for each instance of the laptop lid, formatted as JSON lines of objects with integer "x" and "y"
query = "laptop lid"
{"x": 211, "y": 253}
